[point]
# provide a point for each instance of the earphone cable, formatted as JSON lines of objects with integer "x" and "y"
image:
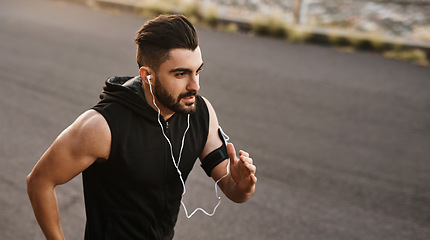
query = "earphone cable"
{"x": 225, "y": 137}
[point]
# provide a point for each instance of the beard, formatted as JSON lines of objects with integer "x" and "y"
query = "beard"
{"x": 172, "y": 103}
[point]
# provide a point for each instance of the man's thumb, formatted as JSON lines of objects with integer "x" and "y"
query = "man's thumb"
{"x": 231, "y": 152}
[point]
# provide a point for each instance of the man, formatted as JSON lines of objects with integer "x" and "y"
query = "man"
{"x": 137, "y": 146}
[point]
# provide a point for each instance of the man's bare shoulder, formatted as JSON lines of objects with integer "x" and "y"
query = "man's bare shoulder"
{"x": 91, "y": 134}
{"x": 91, "y": 120}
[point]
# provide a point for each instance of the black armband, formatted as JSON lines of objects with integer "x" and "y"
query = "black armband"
{"x": 215, "y": 157}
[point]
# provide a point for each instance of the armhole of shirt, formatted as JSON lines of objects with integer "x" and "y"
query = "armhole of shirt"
{"x": 205, "y": 112}
{"x": 109, "y": 119}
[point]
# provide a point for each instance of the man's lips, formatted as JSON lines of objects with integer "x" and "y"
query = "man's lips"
{"x": 190, "y": 99}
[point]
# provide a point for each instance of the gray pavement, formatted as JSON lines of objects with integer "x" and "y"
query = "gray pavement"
{"x": 341, "y": 141}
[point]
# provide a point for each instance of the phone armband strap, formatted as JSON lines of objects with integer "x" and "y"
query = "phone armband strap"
{"x": 215, "y": 157}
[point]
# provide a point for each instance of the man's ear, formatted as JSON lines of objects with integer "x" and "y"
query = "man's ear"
{"x": 144, "y": 72}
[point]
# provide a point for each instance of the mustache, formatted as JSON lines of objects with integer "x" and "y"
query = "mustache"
{"x": 187, "y": 94}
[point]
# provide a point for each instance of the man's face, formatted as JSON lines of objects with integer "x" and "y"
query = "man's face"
{"x": 177, "y": 80}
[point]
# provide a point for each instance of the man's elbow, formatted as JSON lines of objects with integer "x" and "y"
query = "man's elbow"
{"x": 34, "y": 184}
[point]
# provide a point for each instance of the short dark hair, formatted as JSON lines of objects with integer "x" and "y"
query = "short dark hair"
{"x": 160, "y": 35}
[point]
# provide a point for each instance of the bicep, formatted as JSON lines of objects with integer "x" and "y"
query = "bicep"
{"x": 213, "y": 141}
{"x": 75, "y": 149}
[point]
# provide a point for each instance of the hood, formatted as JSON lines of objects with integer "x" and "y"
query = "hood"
{"x": 128, "y": 92}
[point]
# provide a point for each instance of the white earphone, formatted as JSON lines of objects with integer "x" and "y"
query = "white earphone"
{"x": 149, "y": 78}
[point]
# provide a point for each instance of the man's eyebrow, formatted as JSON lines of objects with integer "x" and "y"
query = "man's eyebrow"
{"x": 201, "y": 67}
{"x": 187, "y": 70}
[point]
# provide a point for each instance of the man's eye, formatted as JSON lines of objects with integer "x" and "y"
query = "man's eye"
{"x": 181, "y": 74}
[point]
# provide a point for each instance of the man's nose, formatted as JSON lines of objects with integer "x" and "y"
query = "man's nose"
{"x": 193, "y": 84}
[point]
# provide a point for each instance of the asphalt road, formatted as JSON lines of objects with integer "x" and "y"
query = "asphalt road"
{"x": 341, "y": 140}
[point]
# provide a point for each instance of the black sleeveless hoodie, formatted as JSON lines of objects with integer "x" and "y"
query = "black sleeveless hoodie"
{"x": 136, "y": 193}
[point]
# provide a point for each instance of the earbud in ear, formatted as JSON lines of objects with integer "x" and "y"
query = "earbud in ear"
{"x": 149, "y": 78}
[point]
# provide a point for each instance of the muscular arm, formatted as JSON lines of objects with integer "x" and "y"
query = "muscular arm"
{"x": 239, "y": 184}
{"x": 76, "y": 148}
